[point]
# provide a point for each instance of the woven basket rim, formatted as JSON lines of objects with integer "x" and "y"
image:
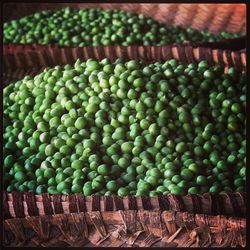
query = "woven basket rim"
{"x": 65, "y": 196}
{"x": 20, "y": 204}
{"x": 8, "y": 47}
{"x": 184, "y": 53}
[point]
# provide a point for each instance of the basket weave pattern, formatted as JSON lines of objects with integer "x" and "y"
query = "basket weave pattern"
{"x": 126, "y": 228}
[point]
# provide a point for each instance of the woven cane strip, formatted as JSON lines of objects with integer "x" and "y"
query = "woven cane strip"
{"x": 47, "y": 206}
{"x": 126, "y": 228}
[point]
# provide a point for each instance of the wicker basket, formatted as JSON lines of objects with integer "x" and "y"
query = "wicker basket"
{"x": 163, "y": 221}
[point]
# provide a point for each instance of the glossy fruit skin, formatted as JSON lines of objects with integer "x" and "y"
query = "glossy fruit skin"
{"x": 126, "y": 128}
{"x": 74, "y": 27}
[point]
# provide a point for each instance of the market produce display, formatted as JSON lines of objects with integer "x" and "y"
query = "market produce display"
{"x": 126, "y": 128}
{"x": 82, "y": 27}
